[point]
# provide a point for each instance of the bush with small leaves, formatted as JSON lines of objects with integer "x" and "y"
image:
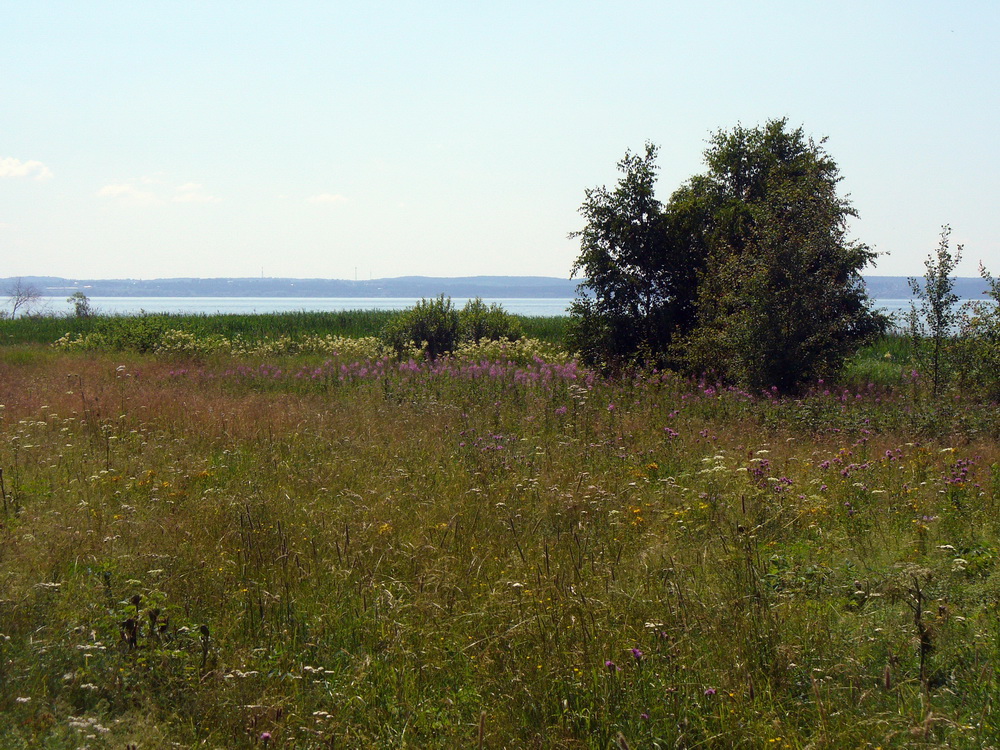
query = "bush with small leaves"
{"x": 431, "y": 324}
{"x": 479, "y": 321}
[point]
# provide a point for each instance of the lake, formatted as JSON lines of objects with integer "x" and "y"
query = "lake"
{"x": 247, "y": 305}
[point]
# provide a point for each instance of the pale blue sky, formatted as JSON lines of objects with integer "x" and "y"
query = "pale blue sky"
{"x": 209, "y": 138}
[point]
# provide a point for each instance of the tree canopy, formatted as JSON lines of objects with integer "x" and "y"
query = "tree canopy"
{"x": 747, "y": 270}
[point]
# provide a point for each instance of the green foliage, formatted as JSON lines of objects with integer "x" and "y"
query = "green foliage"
{"x": 430, "y": 324}
{"x": 256, "y": 326}
{"x": 81, "y": 305}
{"x": 933, "y": 324}
{"x": 955, "y": 347}
{"x": 747, "y": 272}
{"x": 252, "y": 328}
{"x": 590, "y": 334}
{"x": 782, "y": 301}
{"x": 479, "y": 321}
{"x": 886, "y": 362}
{"x": 437, "y": 328}
{"x": 548, "y": 328}
{"x": 968, "y": 354}
{"x": 639, "y": 281}
{"x": 138, "y": 334}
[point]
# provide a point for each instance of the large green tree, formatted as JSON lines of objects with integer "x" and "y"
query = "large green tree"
{"x": 749, "y": 265}
{"x": 638, "y": 286}
{"x": 781, "y": 300}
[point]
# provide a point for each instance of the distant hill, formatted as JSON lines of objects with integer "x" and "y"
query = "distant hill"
{"x": 510, "y": 287}
{"x": 496, "y": 287}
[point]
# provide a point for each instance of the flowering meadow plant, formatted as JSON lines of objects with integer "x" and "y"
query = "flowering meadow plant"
{"x": 499, "y": 547}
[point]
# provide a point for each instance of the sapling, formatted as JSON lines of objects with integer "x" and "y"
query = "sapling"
{"x": 932, "y": 324}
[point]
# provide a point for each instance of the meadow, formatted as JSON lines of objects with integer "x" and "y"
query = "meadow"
{"x": 302, "y": 548}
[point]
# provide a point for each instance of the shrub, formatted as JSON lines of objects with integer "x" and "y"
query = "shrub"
{"x": 479, "y": 321}
{"x": 139, "y": 334}
{"x": 932, "y": 324}
{"x": 430, "y": 324}
{"x": 971, "y": 352}
{"x": 435, "y": 327}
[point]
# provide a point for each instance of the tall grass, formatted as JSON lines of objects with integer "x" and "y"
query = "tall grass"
{"x": 350, "y": 323}
{"x": 886, "y": 361}
{"x": 309, "y": 554}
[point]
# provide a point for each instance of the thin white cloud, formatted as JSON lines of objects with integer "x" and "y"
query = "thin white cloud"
{"x": 11, "y": 167}
{"x": 147, "y": 191}
{"x": 192, "y": 192}
{"x": 127, "y": 192}
{"x": 5, "y": 225}
{"x": 326, "y": 198}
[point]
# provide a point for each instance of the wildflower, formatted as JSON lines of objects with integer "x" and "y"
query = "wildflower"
{"x": 636, "y": 654}
{"x": 644, "y": 716}
{"x": 611, "y": 666}
{"x": 710, "y": 691}
{"x": 265, "y": 737}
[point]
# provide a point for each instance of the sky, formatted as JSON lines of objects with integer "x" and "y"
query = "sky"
{"x": 371, "y": 139}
